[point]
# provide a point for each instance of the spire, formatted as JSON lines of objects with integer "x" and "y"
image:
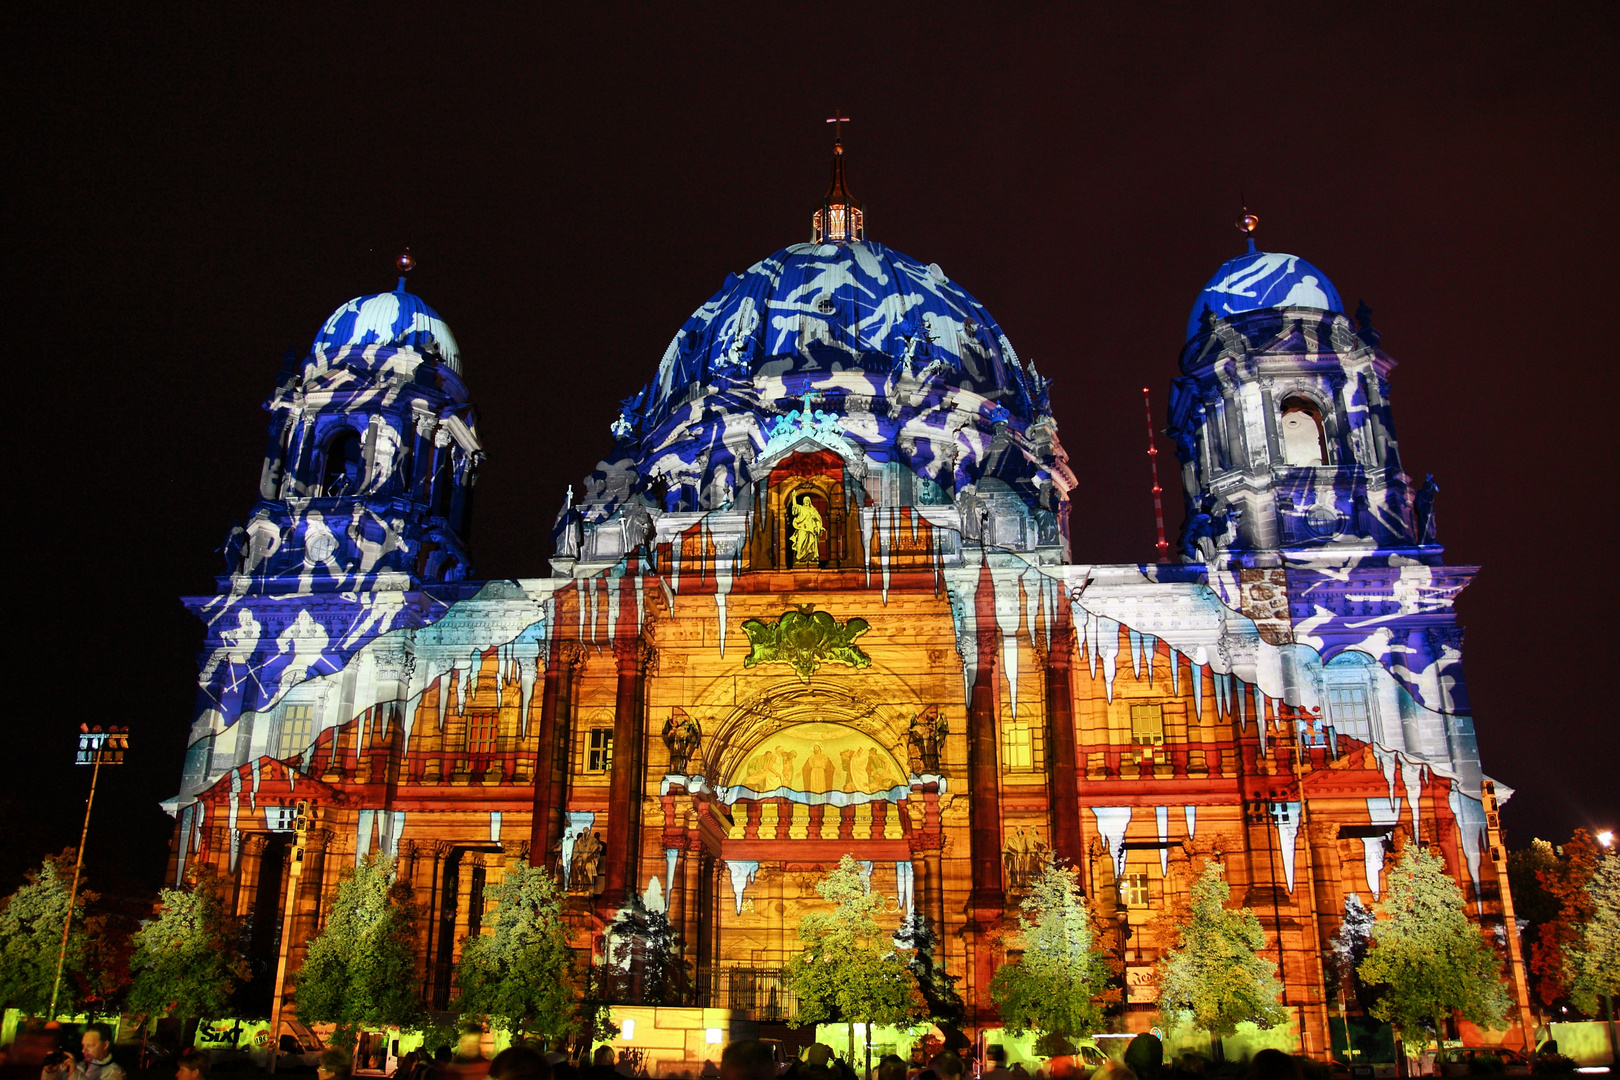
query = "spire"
{"x": 840, "y": 219}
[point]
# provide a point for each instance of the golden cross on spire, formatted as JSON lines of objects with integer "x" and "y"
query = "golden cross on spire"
{"x": 838, "y": 130}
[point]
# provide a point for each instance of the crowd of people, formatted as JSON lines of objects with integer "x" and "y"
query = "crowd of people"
{"x": 1143, "y": 1059}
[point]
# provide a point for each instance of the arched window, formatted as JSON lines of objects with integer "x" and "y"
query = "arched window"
{"x": 341, "y": 473}
{"x": 1302, "y": 441}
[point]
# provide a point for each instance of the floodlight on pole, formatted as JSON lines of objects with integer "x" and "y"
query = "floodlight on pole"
{"x": 96, "y": 748}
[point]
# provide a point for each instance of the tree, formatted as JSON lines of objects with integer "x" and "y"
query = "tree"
{"x": 1055, "y": 986}
{"x": 186, "y": 962}
{"x": 1565, "y": 882}
{"x": 31, "y": 936}
{"x": 944, "y": 1004}
{"x": 850, "y": 969}
{"x": 1593, "y": 958}
{"x": 361, "y": 970}
{"x": 521, "y": 975}
{"x": 1350, "y": 944}
{"x": 1214, "y": 974}
{"x": 1533, "y": 905}
{"x": 1427, "y": 954}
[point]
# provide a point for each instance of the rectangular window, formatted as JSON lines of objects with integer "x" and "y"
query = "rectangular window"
{"x": 296, "y": 730}
{"x": 1349, "y": 711}
{"x": 481, "y": 732}
{"x": 1017, "y": 748}
{"x": 600, "y": 756}
{"x": 1147, "y": 725}
{"x": 1136, "y": 890}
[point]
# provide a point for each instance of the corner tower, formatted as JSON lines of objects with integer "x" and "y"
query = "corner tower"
{"x": 359, "y": 528}
{"x": 1282, "y": 423}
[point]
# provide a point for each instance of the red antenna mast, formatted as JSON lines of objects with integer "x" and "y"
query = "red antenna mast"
{"x": 1153, "y": 464}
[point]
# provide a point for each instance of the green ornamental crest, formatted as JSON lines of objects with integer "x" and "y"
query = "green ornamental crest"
{"x": 804, "y": 638}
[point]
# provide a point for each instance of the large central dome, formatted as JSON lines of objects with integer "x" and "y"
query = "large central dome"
{"x": 839, "y": 307}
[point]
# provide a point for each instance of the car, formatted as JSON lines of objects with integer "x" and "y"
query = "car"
{"x": 1476, "y": 1060}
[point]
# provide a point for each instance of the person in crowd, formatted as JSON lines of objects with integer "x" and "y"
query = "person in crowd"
{"x": 1018, "y": 1072}
{"x": 58, "y": 1065}
{"x": 1108, "y": 1070}
{"x": 1145, "y": 1056}
{"x": 997, "y": 1055}
{"x": 747, "y": 1059}
{"x": 891, "y": 1067}
{"x": 97, "y": 1046}
{"x": 947, "y": 1065}
{"x": 192, "y": 1065}
{"x": 333, "y": 1064}
{"x": 519, "y": 1063}
{"x": 627, "y": 1063}
{"x": 1272, "y": 1064}
{"x": 601, "y": 1067}
{"x": 469, "y": 1062}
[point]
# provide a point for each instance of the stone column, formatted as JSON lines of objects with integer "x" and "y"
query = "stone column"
{"x": 984, "y": 780}
{"x": 624, "y": 790}
{"x": 1067, "y": 843}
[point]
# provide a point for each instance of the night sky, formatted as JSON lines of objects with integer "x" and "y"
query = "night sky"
{"x": 190, "y": 197}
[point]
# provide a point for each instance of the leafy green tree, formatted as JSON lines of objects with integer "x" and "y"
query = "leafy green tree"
{"x": 1428, "y": 956}
{"x": 1593, "y": 958}
{"x": 1056, "y": 986}
{"x": 521, "y": 975}
{"x": 1214, "y": 975}
{"x": 361, "y": 970}
{"x": 186, "y": 962}
{"x": 850, "y": 968}
{"x": 31, "y": 935}
{"x": 938, "y": 989}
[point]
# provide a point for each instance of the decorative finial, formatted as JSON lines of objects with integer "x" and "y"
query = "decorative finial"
{"x": 406, "y": 263}
{"x": 1247, "y": 224}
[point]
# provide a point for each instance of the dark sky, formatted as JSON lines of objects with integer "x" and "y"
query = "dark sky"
{"x": 191, "y": 196}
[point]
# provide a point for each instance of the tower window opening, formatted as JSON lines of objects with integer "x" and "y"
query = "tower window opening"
{"x": 294, "y": 732}
{"x": 1303, "y": 443}
{"x": 1147, "y": 725}
{"x": 599, "y": 755}
{"x": 1136, "y": 890}
{"x": 1350, "y": 712}
{"x": 342, "y": 472}
{"x": 481, "y": 732}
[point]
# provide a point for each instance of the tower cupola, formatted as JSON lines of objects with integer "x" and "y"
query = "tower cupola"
{"x": 839, "y": 220}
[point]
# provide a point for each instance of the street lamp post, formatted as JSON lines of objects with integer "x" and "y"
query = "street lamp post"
{"x": 96, "y": 748}
{"x": 295, "y": 870}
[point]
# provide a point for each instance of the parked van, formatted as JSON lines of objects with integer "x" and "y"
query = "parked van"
{"x": 230, "y": 1040}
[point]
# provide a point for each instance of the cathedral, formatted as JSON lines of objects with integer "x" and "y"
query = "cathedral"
{"x": 819, "y": 598}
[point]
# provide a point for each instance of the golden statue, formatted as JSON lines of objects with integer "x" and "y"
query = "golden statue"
{"x": 807, "y": 530}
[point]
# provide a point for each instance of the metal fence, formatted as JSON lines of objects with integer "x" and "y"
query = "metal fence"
{"x": 763, "y": 993}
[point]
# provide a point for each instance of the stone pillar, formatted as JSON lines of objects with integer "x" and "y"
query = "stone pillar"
{"x": 1067, "y": 843}
{"x": 624, "y": 791}
{"x": 984, "y": 779}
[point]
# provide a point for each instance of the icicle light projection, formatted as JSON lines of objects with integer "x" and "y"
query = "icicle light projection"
{"x": 819, "y": 600}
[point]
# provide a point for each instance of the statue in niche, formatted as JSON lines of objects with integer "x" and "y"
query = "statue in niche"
{"x": 234, "y": 549}
{"x": 587, "y": 859}
{"x": 924, "y": 737}
{"x": 682, "y": 737}
{"x": 1425, "y": 510}
{"x": 807, "y": 531}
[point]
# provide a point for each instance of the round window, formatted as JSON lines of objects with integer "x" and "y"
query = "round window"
{"x": 1323, "y": 521}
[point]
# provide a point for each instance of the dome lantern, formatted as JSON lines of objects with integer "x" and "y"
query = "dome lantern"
{"x": 839, "y": 220}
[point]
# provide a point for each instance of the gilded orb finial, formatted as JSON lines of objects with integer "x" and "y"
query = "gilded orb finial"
{"x": 1248, "y": 223}
{"x": 406, "y": 261}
